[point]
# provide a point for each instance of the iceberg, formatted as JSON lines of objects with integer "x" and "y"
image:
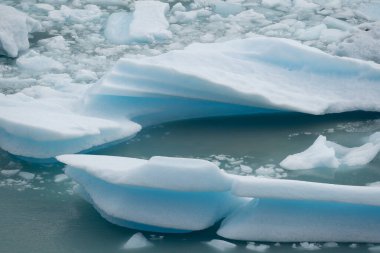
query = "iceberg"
{"x": 14, "y": 29}
{"x": 240, "y": 77}
{"x": 323, "y": 153}
{"x": 278, "y": 220}
{"x": 260, "y": 72}
{"x": 183, "y": 196}
{"x": 179, "y": 195}
{"x": 38, "y": 128}
{"x": 147, "y": 24}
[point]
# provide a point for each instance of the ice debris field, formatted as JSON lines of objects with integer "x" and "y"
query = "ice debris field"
{"x": 83, "y": 76}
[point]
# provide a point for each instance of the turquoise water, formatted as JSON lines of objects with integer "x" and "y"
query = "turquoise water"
{"x": 41, "y": 215}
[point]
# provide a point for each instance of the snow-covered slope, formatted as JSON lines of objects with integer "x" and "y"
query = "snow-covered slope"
{"x": 14, "y": 29}
{"x": 180, "y": 195}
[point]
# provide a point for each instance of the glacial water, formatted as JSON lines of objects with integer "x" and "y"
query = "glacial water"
{"x": 43, "y": 215}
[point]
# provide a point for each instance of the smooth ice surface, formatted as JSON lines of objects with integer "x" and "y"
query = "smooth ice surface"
{"x": 294, "y": 220}
{"x": 323, "y": 153}
{"x": 14, "y": 29}
{"x": 137, "y": 241}
{"x": 179, "y": 174}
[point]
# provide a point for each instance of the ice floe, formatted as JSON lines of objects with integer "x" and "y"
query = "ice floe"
{"x": 295, "y": 220}
{"x": 259, "y": 72}
{"x": 137, "y": 241}
{"x": 162, "y": 194}
{"x": 14, "y": 29}
{"x": 323, "y": 153}
{"x": 131, "y": 192}
{"x": 147, "y": 24}
{"x": 230, "y": 78}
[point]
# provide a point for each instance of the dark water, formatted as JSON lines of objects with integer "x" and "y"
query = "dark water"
{"x": 41, "y": 215}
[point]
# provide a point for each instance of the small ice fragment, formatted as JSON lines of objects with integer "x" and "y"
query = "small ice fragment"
{"x": 9, "y": 173}
{"x": 246, "y": 169}
{"x": 309, "y": 246}
{"x": 60, "y": 178}
{"x": 26, "y": 175}
{"x": 221, "y": 245}
{"x": 137, "y": 241}
{"x": 257, "y": 247}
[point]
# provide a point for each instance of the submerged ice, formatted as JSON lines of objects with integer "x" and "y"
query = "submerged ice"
{"x": 166, "y": 194}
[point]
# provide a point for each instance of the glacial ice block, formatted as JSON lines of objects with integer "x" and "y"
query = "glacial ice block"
{"x": 14, "y": 29}
{"x": 323, "y": 153}
{"x": 302, "y": 220}
{"x": 259, "y": 72}
{"x": 147, "y": 24}
{"x": 265, "y": 188}
{"x": 40, "y": 129}
{"x": 162, "y": 194}
{"x": 180, "y": 195}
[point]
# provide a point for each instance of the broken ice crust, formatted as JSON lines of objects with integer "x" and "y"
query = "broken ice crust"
{"x": 177, "y": 195}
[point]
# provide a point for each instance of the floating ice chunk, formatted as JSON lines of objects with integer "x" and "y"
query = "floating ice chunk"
{"x": 225, "y": 8}
{"x": 57, "y": 43}
{"x": 88, "y": 13}
{"x": 137, "y": 241}
{"x": 117, "y": 28}
{"x": 43, "y": 127}
{"x": 180, "y": 174}
{"x": 317, "y": 155}
{"x": 312, "y": 33}
{"x": 309, "y": 246}
{"x": 14, "y": 29}
{"x": 32, "y": 61}
{"x": 240, "y": 76}
{"x": 337, "y": 24}
{"x": 323, "y": 153}
{"x": 333, "y": 35}
{"x": 162, "y": 194}
{"x": 60, "y": 178}
{"x": 295, "y": 220}
{"x": 254, "y": 187}
{"x": 9, "y": 173}
{"x": 147, "y": 24}
{"x": 257, "y": 247}
{"x": 221, "y": 245}
{"x": 86, "y": 76}
{"x": 26, "y": 175}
